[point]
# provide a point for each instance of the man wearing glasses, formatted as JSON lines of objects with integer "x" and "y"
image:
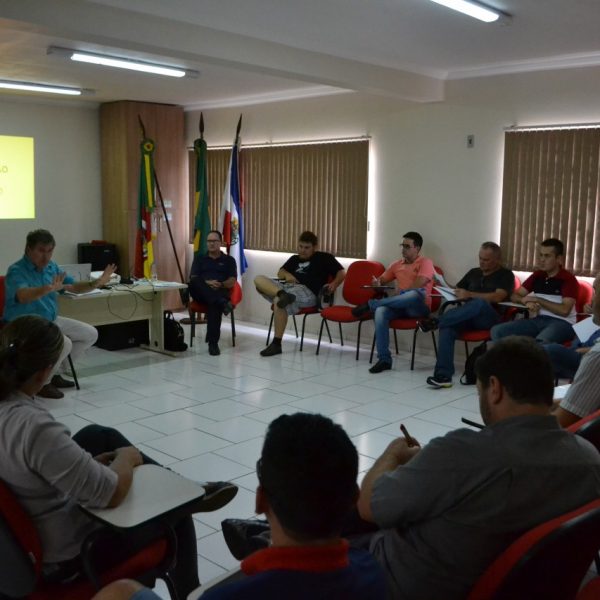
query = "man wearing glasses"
{"x": 211, "y": 279}
{"x": 411, "y": 299}
{"x": 480, "y": 289}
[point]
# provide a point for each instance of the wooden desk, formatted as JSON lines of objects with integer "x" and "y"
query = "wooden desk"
{"x": 123, "y": 303}
{"x": 155, "y": 492}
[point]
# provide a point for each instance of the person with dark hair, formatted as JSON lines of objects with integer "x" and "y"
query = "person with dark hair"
{"x": 51, "y": 472}
{"x": 413, "y": 275}
{"x": 212, "y": 278}
{"x": 549, "y": 294}
{"x": 582, "y": 363}
{"x": 32, "y": 286}
{"x": 480, "y": 290}
{"x": 448, "y": 509}
{"x": 298, "y": 285}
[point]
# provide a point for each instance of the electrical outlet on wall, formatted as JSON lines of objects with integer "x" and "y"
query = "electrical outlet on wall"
{"x": 470, "y": 141}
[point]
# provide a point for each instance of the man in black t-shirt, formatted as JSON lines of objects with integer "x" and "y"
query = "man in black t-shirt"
{"x": 299, "y": 282}
{"x": 481, "y": 288}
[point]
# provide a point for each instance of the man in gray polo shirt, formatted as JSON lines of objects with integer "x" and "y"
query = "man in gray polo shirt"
{"x": 445, "y": 511}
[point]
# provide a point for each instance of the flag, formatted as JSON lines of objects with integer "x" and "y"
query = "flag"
{"x": 144, "y": 255}
{"x": 201, "y": 218}
{"x": 231, "y": 221}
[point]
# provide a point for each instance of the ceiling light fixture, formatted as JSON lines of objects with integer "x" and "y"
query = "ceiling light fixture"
{"x": 473, "y": 9}
{"x": 39, "y": 87}
{"x": 121, "y": 62}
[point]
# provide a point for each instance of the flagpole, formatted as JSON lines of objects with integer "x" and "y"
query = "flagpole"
{"x": 162, "y": 203}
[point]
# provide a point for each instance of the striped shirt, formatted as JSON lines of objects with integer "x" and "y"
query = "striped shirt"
{"x": 583, "y": 396}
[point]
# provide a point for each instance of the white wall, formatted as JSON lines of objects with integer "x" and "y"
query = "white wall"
{"x": 67, "y": 176}
{"x": 423, "y": 176}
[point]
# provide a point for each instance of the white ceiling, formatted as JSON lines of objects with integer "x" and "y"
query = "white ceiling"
{"x": 252, "y": 51}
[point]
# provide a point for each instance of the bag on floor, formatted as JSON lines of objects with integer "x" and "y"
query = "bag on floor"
{"x": 173, "y": 334}
{"x": 468, "y": 377}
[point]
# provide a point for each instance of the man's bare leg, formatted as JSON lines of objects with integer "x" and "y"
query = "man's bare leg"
{"x": 280, "y": 319}
{"x": 266, "y": 286}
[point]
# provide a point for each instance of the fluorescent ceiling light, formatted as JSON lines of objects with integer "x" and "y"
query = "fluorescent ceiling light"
{"x": 39, "y": 87}
{"x": 473, "y": 9}
{"x": 120, "y": 62}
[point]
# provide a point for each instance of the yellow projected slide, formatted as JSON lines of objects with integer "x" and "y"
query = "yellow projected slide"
{"x": 17, "y": 193}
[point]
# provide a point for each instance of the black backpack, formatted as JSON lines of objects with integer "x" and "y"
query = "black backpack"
{"x": 468, "y": 377}
{"x": 173, "y": 334}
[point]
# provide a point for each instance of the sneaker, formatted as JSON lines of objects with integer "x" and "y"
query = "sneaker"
{"x": 439, "y": 382}
{"x": 430, "y": 324}
{"x": 380, "y": 366}
{"x": 285, "y": 299}
{"x": 271, "y": 350}
{"x": 216, "y": 495}
{"x": 360, "y": 310}
{"x": 49, "y": 391}
{"x": 214, "y": 350}
{"x": 58, "y": 381}
{"x": 227, "y": 308}
{"x": 245, "y": 536}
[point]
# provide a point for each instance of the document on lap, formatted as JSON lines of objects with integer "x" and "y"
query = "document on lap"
{"x": 447, "y": 293}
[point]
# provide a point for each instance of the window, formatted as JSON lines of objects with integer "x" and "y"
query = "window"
{"x": 321, "y": 187}
{"x": 551, "y": 189}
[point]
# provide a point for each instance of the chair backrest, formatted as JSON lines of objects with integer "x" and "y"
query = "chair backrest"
{"x": 549, "y": 561}
{"x": 20, "y": 546}
{"x": 236, "y": 294}
{"x": 437, "y": 299}
{"x": 588, "y": 428}
{"x": 2, "y": 295}
{"x": 517, "y": 283}
{"x": 584, "y": 296}
{"x": 361, "y": 272}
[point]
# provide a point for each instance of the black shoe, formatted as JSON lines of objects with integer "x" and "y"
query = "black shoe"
{"x": 380, "y": 366}
{"x": 213, "y": 349}
{"x": 439, "y": 382}
{"x": 227, "y": 308}
{"x": 59, "y": 381}
{"x": 49, "y": 391}
{"x": 285, "y": 299}
{"x": 245, "y": 536}
{"x": 360, "y": 310}
{"x": 426, "y": 325}
{"x": 216, "y": 495}
{"x": 271, "y": 350}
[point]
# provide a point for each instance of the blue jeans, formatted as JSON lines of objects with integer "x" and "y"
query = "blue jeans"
{"x": 565, "y": 361}
{"x": 408, "y": 305}
{"x": 473, "y": 314}
{"x": 543, "y": 328}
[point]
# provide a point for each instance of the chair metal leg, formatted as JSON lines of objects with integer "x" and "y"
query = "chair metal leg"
{"x": 192, "y": 327}
{"x": 396, "y": 340}
{"x": 73, "y": 373}
{"x": 341, "y": 334}
{"x": 434, "y": 344}
{"x": 414, "y": 348}
{"x": 466, "y": 350}
{"x": 358, "y": 339}
{"x": 232, "y": 329}
{"x": 270, "y": 327}
{"x": 295, "y": 325}
{"x": 372, "y": 349}
{"x": 320, "y": 334}
{"x": 328, "y": 332}
{"x": 302, "y": 336}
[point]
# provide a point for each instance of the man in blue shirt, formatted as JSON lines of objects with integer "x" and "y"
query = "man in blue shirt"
{"x": 32, "y": 285}
{"x": 212, "y": 278}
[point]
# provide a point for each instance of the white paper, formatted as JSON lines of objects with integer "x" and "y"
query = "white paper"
{"x": 585, "y": 328}
{"x": 447, "y": 293}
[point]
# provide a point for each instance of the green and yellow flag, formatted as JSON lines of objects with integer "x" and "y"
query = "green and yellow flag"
{"x": 201, "y": 215}
{"x": 144, "y": 256}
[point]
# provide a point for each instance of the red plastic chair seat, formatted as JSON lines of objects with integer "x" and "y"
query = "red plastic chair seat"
{"x": 403, "y": 324}
{"x": 343, "y": 314}
{"x": 475, "y": 335}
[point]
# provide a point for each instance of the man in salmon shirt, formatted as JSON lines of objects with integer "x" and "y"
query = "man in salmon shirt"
{"x": 411, "y": 299}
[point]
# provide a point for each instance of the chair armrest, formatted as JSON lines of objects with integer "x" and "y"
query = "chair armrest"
{"x": 448, "y": 303}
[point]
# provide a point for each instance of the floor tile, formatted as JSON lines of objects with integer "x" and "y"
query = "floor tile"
{"x": 220, "y": 410}
{"x": 302, "y": 389}
{"x": 173, "y": 422}
{"x": 372, "y": 443}
{"x": 210, "y": 467}
{"x": 163, "y": 403}
{"x": 361, "y": 393}
{"x": 447, "y": 415}
{"x": 265, "y": 398}
{"x": 187, "y": 444}
{"x": 242, "y": 507}
{"x": 386, "y": 410}
{"x": 113, "y": 415}
{"x": 245, "y": 453}
{"x": 236, "y": 429}
{"x": 323, "y": 404}
{"x": 354, "y": 424}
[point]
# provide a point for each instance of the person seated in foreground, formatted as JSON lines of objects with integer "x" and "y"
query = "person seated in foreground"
{"x": 32, "y": 287}
{"x": 411, "y": 299}
{"x": 448, "y": 509}
{"x": 549, "y": 294}
{"x": 51, "y": 472}
{"x": 583, "y": 396}
{"x": 481, "y": 288}
{"x": 301, "y": 279}
{"x": 306, "y": 488}
{"x": 212, "y": 278}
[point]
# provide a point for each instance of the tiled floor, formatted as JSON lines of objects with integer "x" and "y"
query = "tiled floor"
{"x": 205, "y": 416}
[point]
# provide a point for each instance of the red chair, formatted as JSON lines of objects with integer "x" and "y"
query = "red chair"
{"x": 22, "y": 558}
{"x": 549, "y": 561}
{"x": 411, "y": 325}
{"x": 2, "y": 301}
{"x": 235, "y": 298}
{"x": 304, "y": 312}
{"x": 588, "y": 428}
{"x": 584, "y": 296}
{"x": 360, "y": 273}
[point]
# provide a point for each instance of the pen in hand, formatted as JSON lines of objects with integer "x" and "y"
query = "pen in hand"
{"x": 411, "y": 441}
